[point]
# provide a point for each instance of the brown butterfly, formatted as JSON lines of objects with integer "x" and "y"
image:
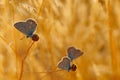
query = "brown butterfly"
{"x": 65, "y": 62}
{"x": 73, "y": 53}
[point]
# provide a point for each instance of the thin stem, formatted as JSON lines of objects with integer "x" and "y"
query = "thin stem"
{"x": 22, "y": 63}
{"x": 114, "y": 54}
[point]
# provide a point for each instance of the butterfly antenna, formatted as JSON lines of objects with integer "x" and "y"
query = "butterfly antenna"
{"x": 22, "y": 63}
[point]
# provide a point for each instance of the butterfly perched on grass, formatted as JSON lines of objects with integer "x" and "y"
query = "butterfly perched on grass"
{"x": 28, "y": 27}
{"x": 65, "y": 62}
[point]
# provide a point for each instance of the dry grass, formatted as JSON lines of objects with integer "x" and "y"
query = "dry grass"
{"x": 90, "y": 25}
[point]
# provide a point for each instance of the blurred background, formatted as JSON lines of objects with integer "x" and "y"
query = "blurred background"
{"x": 89, "y": 25}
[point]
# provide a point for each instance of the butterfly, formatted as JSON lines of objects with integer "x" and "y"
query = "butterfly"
{"x": 65, "y": 62}
{"x": 73, "y": 53}
{"x": 27, "y": 28}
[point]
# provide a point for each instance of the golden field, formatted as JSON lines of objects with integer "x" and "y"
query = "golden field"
{"x": 89, "y": 25}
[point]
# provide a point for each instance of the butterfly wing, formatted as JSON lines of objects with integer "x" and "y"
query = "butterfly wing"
{"x": 64, "y": 64}
{"x": 26, "y": 27}
{"x": 73, "y": 53}
{"x": 31, "y": 26}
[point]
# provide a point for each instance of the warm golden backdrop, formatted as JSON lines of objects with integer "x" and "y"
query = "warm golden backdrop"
{"x": 90, "y": 25}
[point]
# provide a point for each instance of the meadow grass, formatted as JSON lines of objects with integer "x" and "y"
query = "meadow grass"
{"x": 89, "y": 25}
